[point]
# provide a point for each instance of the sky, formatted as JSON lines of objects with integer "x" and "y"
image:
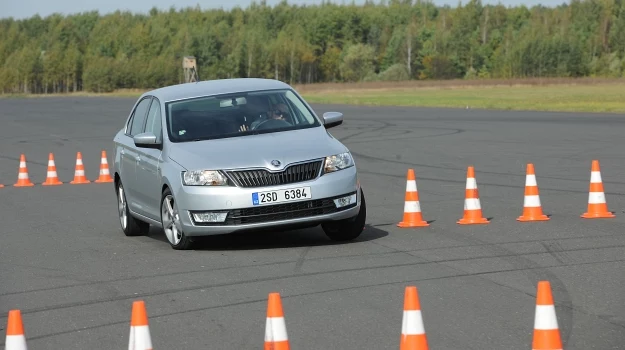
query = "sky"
{"x": 20, "y": 9}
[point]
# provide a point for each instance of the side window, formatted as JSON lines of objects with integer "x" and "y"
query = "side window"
{"x": 154, "y": 122}
{"x": 138, "y": 118}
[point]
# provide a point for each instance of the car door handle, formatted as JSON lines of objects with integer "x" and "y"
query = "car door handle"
{"x": 138, "y": 158}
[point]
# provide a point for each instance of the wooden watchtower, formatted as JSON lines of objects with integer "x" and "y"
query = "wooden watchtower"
{"x": 190, "y": 69}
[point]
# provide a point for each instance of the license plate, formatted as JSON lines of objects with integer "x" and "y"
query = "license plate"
{"x": 281, "y": 196}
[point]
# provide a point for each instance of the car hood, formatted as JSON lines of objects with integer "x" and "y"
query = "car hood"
{"x": 256, "y": 150}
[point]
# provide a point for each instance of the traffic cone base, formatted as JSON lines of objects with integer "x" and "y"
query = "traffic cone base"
{"x": 470, "y": 221}
{"x": 412, "y": 206}
{"x": 533, "y": 217}
{"x": 600, "y": 215}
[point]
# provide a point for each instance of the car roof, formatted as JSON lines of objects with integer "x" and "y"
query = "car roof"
{"x": 214, "y": 87}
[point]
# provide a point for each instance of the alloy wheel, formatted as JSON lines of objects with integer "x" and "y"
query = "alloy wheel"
{"x": 171, "y": 220}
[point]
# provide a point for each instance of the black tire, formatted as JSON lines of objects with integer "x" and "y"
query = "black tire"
{"x": 347, "y": 229}
{"x": 130, "y": 225}
{"x": 176, "y": 238}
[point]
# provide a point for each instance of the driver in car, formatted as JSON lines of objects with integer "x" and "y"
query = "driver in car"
{"x": 277, "y": 113}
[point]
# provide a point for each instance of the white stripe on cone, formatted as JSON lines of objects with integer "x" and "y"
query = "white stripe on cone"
{"x": 595, "y": 177}
{"x": 140, "y": 338}
{"x": 532, "y": 201}
{"x": 79, "y": 172}
{"x": 530, "y": 180}
{"x": 15, "y": 342}
{"x": 412, "y": 323}
{"x": 472, "y": 204}
{"x": 471, "y": 183}
{"x": 275, "y": 329}
{"x": 596, "y": 198}
{"x": 411, "y": 186}
{"x": 545, "y": 318}
{"x": 22, "y": 176}
{"x": 412, "y": 207}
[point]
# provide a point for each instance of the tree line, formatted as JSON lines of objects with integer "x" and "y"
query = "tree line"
{"x": 395, "y": 40}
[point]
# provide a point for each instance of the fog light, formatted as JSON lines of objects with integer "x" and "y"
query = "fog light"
{"x": 210, "y": 217}
{"x": 344, "y": 201}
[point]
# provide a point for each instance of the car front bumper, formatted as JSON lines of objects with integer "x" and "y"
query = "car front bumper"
{"x": 243, "y": 215}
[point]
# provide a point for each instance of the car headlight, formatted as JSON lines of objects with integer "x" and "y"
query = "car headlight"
{"x": 204, "y": 178}
{"x": 338, "y": 162}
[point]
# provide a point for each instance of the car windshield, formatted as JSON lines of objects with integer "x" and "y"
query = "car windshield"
{"x": 236, "y": 115}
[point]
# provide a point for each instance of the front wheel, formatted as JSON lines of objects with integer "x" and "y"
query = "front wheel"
{"x": 348, "y": 229}
{"x": 170, "y": 218}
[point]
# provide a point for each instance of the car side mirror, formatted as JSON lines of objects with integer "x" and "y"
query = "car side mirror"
{"x": 332, "y": 119}
{"x": 147, "y": 140}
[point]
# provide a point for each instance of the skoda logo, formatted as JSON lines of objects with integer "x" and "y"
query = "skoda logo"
{"x": 275, "y": 163}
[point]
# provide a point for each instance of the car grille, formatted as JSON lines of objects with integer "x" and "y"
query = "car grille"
{"x": 277, "y": 212}
{"x": 292, "y": 174}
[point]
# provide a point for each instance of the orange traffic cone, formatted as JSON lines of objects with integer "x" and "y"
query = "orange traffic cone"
{"x": 23, "y": 179}
{"x": 276, "y": 337}
{"x": 532, "y": 208}
{"x": 52, "y": 179}
{"x": 79, "y": 173}
{"x": 140, "y": 338}
{"x": 15, "y": 338}
{"x": 472, "y": 206}
{"x": 412, "y": 331}
{"x": 546, "y": 330}
{"x": 412, "y": 206}
{"x": 105, "y": 175}
{"x": 597, "y": 205}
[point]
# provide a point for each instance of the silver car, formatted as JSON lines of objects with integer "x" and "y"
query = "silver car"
{"x": 231, "y": 155}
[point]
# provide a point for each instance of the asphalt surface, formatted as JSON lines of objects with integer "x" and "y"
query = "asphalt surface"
{"x": 66, "y": 264}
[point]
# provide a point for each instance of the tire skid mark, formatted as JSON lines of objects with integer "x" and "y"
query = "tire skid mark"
{"x": 412, "y": 136}
{"x": 518, "y": 175}
{"x": 28, "y": 161}
{"x": 301, "y": 259}
{"x": 380, "y": 128}
{"x": 288, "y": 296}
{"x": 307, "y": 274}
{"x": 395, "y": 250}
{"x": 553, "y": 252}
{"x": 535, "y": 272}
